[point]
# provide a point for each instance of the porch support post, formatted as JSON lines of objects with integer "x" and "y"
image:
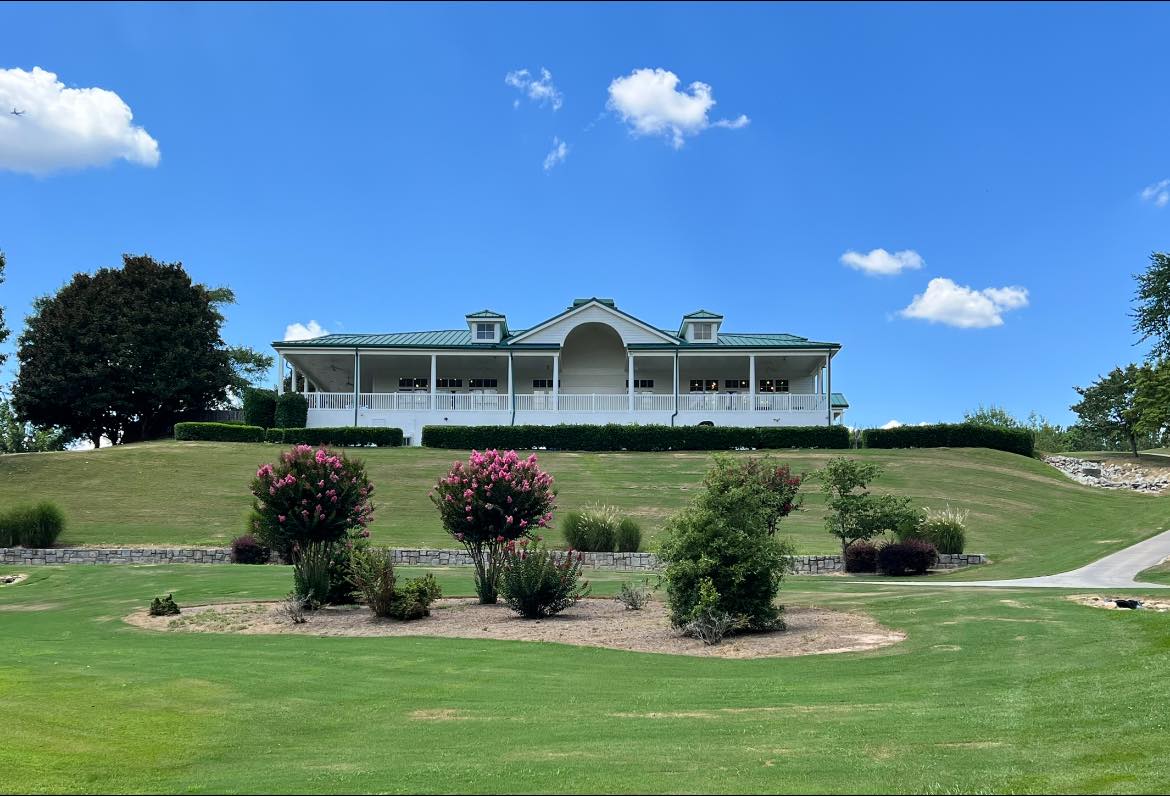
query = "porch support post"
{"x": 829, "y": 386}
{"x": 675, "y": 385}
{"x": 752, "y": 381}
{"x": 630, "y": 383}
{"x": 510, "y": 380}
{"x": 556, "y": 387}
{"x": 434, "y": 378}
{"x": 279, "y": 373}
{"x": 357, "y": 384}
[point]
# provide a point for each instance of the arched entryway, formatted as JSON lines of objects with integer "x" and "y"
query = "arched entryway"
{"x": 593, "y": 360}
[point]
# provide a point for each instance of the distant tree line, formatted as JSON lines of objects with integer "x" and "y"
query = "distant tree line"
{"x": 118, "y": 355}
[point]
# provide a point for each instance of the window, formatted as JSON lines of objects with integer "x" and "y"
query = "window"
{"x": 485, "y": 330}
{"x": 409, "y": 383}
{"x": 735, "y": 383}
{"x": 481, "y": 383}
{"x": 704, "y": 331}
{"x": 704, "y": 385}
{"x": 542, "y": 383}
{"x": 447, "y": 382}
{"x": 640, "y": 383}
{"x": 773, "y": 385}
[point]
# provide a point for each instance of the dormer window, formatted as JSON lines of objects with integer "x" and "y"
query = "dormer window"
{"x": 487, "y": 326}
{"x": 703, "y": 331}
{"x": 485, "y": 331}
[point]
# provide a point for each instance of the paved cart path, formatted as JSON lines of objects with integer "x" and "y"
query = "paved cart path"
{"x": 1115, "y": 571}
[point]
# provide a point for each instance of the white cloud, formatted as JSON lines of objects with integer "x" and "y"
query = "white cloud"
{"x": 299, "y": 331}
{"x": 944, "y": 302}
{"x": 65, "y": 128}
{"x": 541, "y": 91}
{"x": 559, "y": 152}
{"x": 649, "y": 101}
{"x": 1158, "y": 193}
{"x": 879, "y": 261}
{"x": 891, "y": 424}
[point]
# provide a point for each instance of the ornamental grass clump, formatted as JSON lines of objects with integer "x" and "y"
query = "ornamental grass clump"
{"x": 592, "y": 528}
{"x": 492, "y": 499}
{"x": 310, "y": 496}
{"x": 311, "y": 566}
{"x": 537, "y": 583}
{"x": 372, "y": 572}
{"x": 945, "y": 529}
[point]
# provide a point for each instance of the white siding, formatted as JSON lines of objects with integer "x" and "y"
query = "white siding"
{"x": 629, "y": 331}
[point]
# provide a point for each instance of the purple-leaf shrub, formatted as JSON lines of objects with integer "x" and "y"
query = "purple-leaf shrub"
{"x": 310, "y": 495}
{"x": 485, "y": 503}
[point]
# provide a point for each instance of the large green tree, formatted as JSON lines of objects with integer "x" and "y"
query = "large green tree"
{"x": 1108, "y": 407}
{"x": 1152, "y": 400}
{"x": 1152, "y": 305}
{"x": 119, "y": 353}
{"x": 21, "y": 437}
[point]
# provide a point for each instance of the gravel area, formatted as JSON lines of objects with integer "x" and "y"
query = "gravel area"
{"x": 594, "y": 622}
{"x": 1113, "y": 475}
{"x": 1107, "y": 602}
{"x": 12, "y": 578}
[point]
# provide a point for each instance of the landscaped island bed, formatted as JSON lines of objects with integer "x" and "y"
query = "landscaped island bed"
{"x": 1027, "y": 516}
{"x": 593, "y": 622}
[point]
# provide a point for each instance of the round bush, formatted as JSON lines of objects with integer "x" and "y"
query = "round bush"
{"x": 36, "y": 526}
{"x": 260, "y": 407}
{"x": 292, "y": 411}
{"x": 861, "y": 557}
{"x": 310, "y": 496}
{"x": 247, "y": 550}
{"x": 909, "y": 558}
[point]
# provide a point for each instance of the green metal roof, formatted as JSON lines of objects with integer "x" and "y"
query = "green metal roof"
{"x": 700, "y": 313}
{"x": 485, "y": 314}
{"x": 838, "y": 401}
{"x": 461, "y": 339}
{"x": 606, "y": 302}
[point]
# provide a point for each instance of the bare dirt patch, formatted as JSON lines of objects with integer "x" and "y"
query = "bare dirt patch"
{"x": 1108, "y": 602}
{"x": 595, "y": 622}
{"x": 12, "y": 578}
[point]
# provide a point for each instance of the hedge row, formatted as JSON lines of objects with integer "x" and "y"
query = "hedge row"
{"x": 325, "y": 436}
{"x": 618, "y": 437}
{"x": 219, "y": 432}
{"x": 291, "y": 411}
{"x": 260, "y": 407}
{"x": 338, "y": 436}
{"x": 951, "y": 435}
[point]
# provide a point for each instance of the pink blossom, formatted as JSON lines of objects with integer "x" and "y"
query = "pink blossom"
{"x": 280, "y": 518}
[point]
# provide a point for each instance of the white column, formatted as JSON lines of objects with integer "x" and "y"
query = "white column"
{"x": 357, "y": 385}
{"x": 434, "y": 378}
{"x": 829, "y": 387}
{"x": 630, "y": 386}
{"x": 509, "y": 382}
{"x": 556, "y": 387}
{"x": 752, "y": 381}
{"x": 279, "y": 373}
{"x": 676, "y": 382}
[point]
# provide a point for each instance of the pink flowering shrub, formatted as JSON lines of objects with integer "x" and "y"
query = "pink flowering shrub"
{"x": 485, "y": 503}
{"x": 311, "y": 495}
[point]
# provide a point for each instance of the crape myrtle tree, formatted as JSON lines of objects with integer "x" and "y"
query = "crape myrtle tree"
{"x": 119, "y": 353}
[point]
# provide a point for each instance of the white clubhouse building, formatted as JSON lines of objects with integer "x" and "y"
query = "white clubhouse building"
{"x": 591, "y": 363}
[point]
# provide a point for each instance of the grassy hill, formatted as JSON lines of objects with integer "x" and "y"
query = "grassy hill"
{"x": 1028, "y": 516}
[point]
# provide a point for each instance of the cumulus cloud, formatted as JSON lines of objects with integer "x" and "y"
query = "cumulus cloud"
{"x": 649, "y": 101}
{"x": 1158, "y": 193}
{"x": 894, "y": 423}
{"x": 559, "y": 152}
{"x": 540, "y": 90}
{"x": 65, "y": 128}
{"x": 881, "y": 262}
{"x": 299, "y": 331}
{"x": 944, "y": 302}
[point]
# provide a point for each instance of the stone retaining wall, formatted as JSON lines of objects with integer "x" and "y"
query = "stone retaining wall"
{"x": 425, "y": 557}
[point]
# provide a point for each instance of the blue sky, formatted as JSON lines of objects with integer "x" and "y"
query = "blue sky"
{"x": 370, "y": 168}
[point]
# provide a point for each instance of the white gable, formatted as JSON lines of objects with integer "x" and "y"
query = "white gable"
{"x": 556, "y": 331}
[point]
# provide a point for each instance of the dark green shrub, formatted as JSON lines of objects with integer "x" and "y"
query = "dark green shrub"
{"x": 337, "y": 436}
{"x": 772, "y": 483}
{"x": 164, "y": 607}
{"x": 633, "y": 437}
{"x": 592, "y": 528}
{"x": 247, "y": 550}
{"x": 861, "y": 557}
{"x": 341, "y": 591}
{"x": 909, "y": 558}
{"x": 535, "y": 583}
{"x": 952, "y": 435}
{"x": 723, "y": 537}
{"x": 292, "y": 411}
{"x": 36, "y": 526}
{"x": 629, "y": 536}
{"x": 372, "y": 573}
{"x": 219, "y": 432}
{"x": 415, "y": 597}
{"x": 311, "y": 566}
{"x": 259, "y": 407}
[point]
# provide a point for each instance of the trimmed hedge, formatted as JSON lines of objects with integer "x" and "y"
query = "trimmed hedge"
{"x": 952, "y": 435}
{"x": 260, "y": 407}
{"x": 292, "y": 411}
{"x": 337, "y": 436}
{"x": 219, "y": 432}
{"x": 618, "y": 437}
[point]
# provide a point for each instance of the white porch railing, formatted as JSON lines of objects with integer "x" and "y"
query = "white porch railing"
{"x": 571, "y": 402}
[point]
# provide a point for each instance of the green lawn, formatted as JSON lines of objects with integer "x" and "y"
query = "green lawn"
{"x": 1158, "y": 574}
{"x": 993, "y": 691}
{"x": 1027, "y": 516}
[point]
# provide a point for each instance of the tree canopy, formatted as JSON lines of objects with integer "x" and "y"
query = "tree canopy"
{"x": 1152, "y": 305}
{"x": 120, "y": 352}
{"x": 1107, "y": 407}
